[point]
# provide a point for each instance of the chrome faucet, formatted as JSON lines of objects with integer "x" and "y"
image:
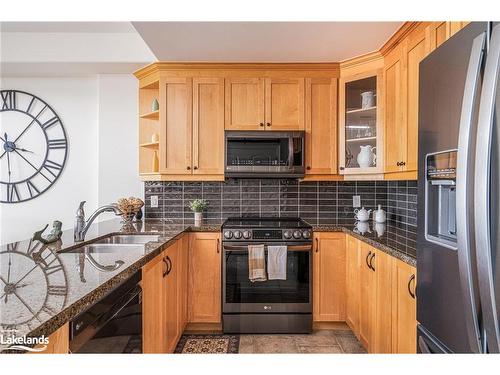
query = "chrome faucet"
{"x": 82, "y": 226}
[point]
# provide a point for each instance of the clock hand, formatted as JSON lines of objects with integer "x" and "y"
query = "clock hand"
{"x": 31, "y": 123}
{"x": 35, "y": 168}
{"x": 8, "y": 157}
{"x": 23, "y": 149}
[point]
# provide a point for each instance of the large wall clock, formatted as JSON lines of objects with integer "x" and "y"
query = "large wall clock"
{"x": 34, "y": 146}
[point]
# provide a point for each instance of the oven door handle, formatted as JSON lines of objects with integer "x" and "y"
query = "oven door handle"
{"x": 289, "y": 248}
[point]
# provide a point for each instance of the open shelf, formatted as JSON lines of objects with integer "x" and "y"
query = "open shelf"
{"x": 358, "y": 110}
{"x": 155, "y": 115}
{"x": 150, "y": 144}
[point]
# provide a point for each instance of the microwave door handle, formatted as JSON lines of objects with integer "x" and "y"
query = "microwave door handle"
{"x": 464, "y": 191}
{"x": 290, "y": 152}
{"x": 482, "y": 194}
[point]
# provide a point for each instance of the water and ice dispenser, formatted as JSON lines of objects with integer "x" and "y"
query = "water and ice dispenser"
{"x": 440, "y": 198}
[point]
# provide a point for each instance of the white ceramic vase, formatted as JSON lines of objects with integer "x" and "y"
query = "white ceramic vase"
{"x": 366, "y": 157}
{"x": 379, "y": 215}
{"x": 198, "y": 219}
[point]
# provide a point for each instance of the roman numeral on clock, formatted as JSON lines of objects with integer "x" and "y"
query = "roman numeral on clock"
{"x": 47, "y": 124}
{"x": 8, "y": 100}
{"x": 12, "y": 193}
{"x": 55, "y": 144}
{"x": 32, "y": 188}
{"x": 57, "y": 290}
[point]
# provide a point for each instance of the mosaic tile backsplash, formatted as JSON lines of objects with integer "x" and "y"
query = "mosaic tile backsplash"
{"x": 315, "y": 202}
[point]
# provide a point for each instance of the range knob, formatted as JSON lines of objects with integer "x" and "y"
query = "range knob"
{"x": 306, "y": 234}
{"x": 288, "y": 234}
{"x": 297, "y": 234}
{"x": 228, "y": 234}
{"x": 237, "y": 234}
{"x": 247, "y": 234}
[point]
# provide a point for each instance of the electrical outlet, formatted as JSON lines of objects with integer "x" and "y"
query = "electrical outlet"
{"x": 154, "y": 201}
{"x": 356, "y": 201}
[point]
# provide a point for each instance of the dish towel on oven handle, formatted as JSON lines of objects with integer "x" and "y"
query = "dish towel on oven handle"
{"x": 256, "y": 263}
{"x": 276, "y": 262}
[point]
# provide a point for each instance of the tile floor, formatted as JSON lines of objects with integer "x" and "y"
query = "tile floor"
{"x": 324, "y": 341}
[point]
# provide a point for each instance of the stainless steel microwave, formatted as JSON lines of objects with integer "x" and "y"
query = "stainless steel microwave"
{"x": 264, "y": 154}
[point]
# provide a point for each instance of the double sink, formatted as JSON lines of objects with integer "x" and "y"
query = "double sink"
{"x": 117, "y": 243}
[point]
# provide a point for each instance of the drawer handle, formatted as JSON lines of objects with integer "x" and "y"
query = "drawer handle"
{"x": 412, "y": 294}
{"x": 367, "y": 256}
{"x": 371, "y": 262}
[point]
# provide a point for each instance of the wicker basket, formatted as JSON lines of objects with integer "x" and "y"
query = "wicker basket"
{"x": 129, "y": 208}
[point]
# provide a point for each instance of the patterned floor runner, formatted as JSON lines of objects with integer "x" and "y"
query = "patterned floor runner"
{"x": 208, "y": 344}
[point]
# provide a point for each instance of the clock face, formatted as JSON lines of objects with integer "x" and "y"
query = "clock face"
{"x": 33, "y": 146}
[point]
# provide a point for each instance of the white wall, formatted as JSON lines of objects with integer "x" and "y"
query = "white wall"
{"x": 99, "y": 114}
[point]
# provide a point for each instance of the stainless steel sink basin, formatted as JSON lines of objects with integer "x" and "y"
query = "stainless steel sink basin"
{"x": 115, "y": 248}
{"x": 124, "y": 239}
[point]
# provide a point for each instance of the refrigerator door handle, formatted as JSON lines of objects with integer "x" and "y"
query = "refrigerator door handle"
{"x": 464, "y": 191}
{"x": 482, "y": 194}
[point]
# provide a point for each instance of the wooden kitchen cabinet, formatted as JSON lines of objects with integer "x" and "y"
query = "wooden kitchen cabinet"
{"x": 353, "y": 269}
{"x": 404, "y": 308}
{"x": 176, "y": 96}
{"x": 172, "y": 300}
{"x": 329, "y": 277}
{"x": 204, "y": 287}
{"x": 321, "y": 126}
{"x": 381, "y": 341}
{"x": 367, "y": 296}
{"x": 360, "y": 125}
{"x": 182, "y": 282}
{"x": 153, "y": 306}
{"x": 58, "y": 342}
{"x": 208, "y": 126}
{"x": 244, "y": 104}
{"x": 284, "y": 104}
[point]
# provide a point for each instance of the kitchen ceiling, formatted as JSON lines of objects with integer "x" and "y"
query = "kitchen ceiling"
{"x": 263, "y": 41}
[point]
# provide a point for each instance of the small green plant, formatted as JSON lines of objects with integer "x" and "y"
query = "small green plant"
{"x": 198, "y": 205}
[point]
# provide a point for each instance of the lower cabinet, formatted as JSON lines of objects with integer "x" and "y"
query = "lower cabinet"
{"x": 329, "y": 277}
{"x": 381, "y": 305}
{"x": 204, "y": 286}
{"x": 58, "y": 342}
{"x": 164, "y": 281}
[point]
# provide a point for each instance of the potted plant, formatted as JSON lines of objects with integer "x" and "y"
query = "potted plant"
{"x": 198, "y": 206}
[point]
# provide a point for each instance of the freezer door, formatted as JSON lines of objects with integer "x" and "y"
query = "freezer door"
{"x": 448, "y": 299}
{"x": 427, "y": 344}
{"x": 486, "y": 195}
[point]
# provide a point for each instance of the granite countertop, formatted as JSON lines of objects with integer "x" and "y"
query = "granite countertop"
{"x": 51, "y": 284}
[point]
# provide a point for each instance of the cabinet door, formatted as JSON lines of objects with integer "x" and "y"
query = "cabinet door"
{"x": 321, "y": 126}
{"x": 175, "y": 126}
{"x": 404, "y": 311}
{"x": 244, "y": 104}
{"x": 416, "y": 48}
{"x": 208, "y": 126}
{"x": 285, "y": 104}
{"x": 382, "y": 326}
{"x": 204, "y": 294}
{"x": 329, "y": 267}
{"x": 182, "y": 282}
{"x": 353, "y": 256}
{"x": 395, "y": 125}
{"x": 153, "y": 306}
{"x": 367, "y": 296}
{"x": 172, "y": 300}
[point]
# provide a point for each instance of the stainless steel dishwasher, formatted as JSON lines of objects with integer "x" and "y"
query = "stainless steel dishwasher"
{"x": 113, "y": 324}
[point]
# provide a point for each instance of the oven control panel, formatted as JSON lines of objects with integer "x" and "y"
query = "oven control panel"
{"x": 267, "y": 234}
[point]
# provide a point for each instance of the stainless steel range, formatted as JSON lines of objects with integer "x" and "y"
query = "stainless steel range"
{"x": 272, "y": 306}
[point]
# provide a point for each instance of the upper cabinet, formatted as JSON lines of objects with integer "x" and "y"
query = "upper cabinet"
{"x": 245, "y": 103}
{"x": 360, "y": 124}
{"x": 321, "y": 127}
{"x": 264, "y": 104}
{"x": 284, "y": 104}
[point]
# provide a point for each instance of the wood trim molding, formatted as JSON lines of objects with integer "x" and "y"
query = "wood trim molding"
{"x": 360, "y": 60}
{"x": 166, "y": 66}
{"x": 398, "y": 36}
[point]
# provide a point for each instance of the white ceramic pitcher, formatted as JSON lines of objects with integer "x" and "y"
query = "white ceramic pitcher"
{"x": 367, "y": 157}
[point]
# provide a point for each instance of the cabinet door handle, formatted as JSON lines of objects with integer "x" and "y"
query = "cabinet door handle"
{"x": 261, "y": 124}
{"x": 341, "y": 168}
{"x": 188, "y": 168}
{"x": 317, "y": 244}
{"x": 366, "y": 260}
{"x": 165, "y": 273}
{"x": 398, "y": 164}
{"x": 268, "y": 123}
{"x": 169, "y": 265}
{"x": 403, "y": 163}
{"x": 371, "y": 262}
{"x": 195, "y": 167}
{"x": 412, "y": 294}
{"x": 218, "y": 246}
{"x": 308, "y": 168}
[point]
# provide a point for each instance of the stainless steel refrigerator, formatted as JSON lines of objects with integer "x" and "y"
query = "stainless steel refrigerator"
{"x": 458, "y": 256}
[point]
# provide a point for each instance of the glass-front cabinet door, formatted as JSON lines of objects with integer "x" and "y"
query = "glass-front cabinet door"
{"x": 360, "y": 124}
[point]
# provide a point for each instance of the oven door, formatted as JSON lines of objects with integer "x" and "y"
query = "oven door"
{"x": 264, "y": 154}
{"x": 293, "y": 295}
